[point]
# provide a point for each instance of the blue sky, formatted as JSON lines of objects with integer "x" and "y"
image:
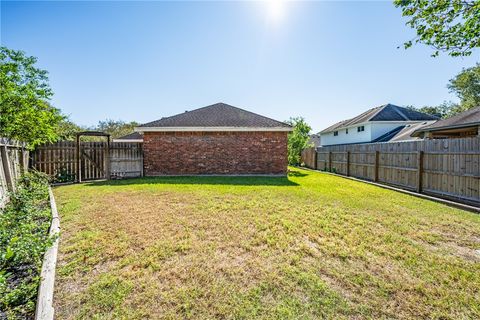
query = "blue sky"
{"x": 325, "y": 61}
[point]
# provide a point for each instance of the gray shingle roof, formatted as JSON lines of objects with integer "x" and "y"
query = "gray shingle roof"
{"x": 131, "y": 136}
{"x": 467, "y": 118}
{"x": 387, "y": 112}
{"x": 217, "y": 115}
{"x": 403, "y": 133}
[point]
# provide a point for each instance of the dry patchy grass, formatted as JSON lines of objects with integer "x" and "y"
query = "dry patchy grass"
{"x": 307, "y": 247}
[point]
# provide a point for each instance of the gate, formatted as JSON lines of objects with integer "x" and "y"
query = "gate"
{"x": 93, "y": 161}
{"x": 92, "y": 157}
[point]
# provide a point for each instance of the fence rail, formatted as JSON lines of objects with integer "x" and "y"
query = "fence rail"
{"x": 447, "y": 168}
{"x": 13, "y": 161}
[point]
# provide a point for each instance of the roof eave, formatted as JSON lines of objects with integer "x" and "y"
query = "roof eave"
{"x": 212, "y": 129}
{"x": 456, "y": 126}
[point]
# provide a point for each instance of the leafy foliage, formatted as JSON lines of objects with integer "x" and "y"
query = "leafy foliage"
{"x": 443, "y": 110}
{"x": 25, "y": 113}
{"x": 67, "y": 129}
{"x": 64, "y": 175}
{"x": 116, "y": 128}
{"x": 451, "y": 26}
{"x": 297, "y": 139}
{"x": 24, "y": 224}
{"x": 466, "y": 85}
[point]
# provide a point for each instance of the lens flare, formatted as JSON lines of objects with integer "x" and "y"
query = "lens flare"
{"x": 276, "y": 10}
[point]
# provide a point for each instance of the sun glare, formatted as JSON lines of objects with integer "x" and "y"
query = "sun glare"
{"x": 276, "y": 10}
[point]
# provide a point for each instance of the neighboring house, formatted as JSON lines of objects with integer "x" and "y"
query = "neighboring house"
{"x": 131, "y": 137}
{"x": 217, "y": 139}
{"x": 465, "y": 124}
{"x": 381, "y": 124}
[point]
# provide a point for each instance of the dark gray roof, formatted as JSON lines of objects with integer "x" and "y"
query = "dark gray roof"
{"x": 387, "y": 112}
{"x": 131, "y": 136}
{"x": 403, "y": 133}
{"x": 408, "y": 130}
{"x": 217, "y": 115}
{"x": 465, "y": 119}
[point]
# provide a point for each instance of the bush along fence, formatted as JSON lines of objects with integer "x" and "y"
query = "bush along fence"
{"x": 13, "y": 162}
{"x": 24, "y": 238}
{"x": 29, "y": 226}
{"x": 67, "y": 161}
{"x": 445, "y": 168}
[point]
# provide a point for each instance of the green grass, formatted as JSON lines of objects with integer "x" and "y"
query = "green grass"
{"x": 308, "y": 246}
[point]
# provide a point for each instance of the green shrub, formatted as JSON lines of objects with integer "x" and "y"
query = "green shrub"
{"x": 24, "y": 224}
{"x": 64, "y": 175}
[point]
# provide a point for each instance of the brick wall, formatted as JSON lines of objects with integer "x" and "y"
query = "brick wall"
{"x": 184, "y": 153}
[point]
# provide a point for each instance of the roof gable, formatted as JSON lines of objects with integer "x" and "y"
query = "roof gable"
{"x": 387, "y": 112}
{"x": 219, "y": 115}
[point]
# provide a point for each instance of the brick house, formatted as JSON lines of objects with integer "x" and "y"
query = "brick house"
{"x": 217, "y": 139}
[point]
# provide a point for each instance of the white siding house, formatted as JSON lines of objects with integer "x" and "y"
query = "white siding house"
{"x": 376, "y": 125}
{"x": 351, "y": 134}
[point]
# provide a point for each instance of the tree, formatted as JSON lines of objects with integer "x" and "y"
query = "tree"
{"x": 466, "y": 85}
{"x": 297, "y": 139}
{"x": 451, "y": 26}
{"x": 444, "y": 110}
{"x": 116, "y": 128}
{"x": 25, "y": 113}
{"x": 67, "y": 129}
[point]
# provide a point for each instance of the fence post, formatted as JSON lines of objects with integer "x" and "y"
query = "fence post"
{"x": 107, "y": 160}
{"x": 330, "y": 161}
{"x": 6, "y": 167}
{"x": 419, "y": 170}
{"x": 79, "y": 178}
{"x": 143, "y": 159}
{"x": 23, "y": 160}
{"x": 375, "y": 177}
{"x": 348, "y": 163}
{"x": 315, "y": 158}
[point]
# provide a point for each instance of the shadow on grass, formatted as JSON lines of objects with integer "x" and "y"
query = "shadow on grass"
{"x": 295, "y": 173}
{"x": 208, "y": 180}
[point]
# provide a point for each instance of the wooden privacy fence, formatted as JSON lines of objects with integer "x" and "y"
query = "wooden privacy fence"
{"x": 13, "y": 161}
{"x": 67, "y": 161}
{"x": 126, "y": 159}
{"x": 448, "y": 168}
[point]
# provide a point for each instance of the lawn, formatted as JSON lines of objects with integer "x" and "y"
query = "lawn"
{"x": 310, "y": 246}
